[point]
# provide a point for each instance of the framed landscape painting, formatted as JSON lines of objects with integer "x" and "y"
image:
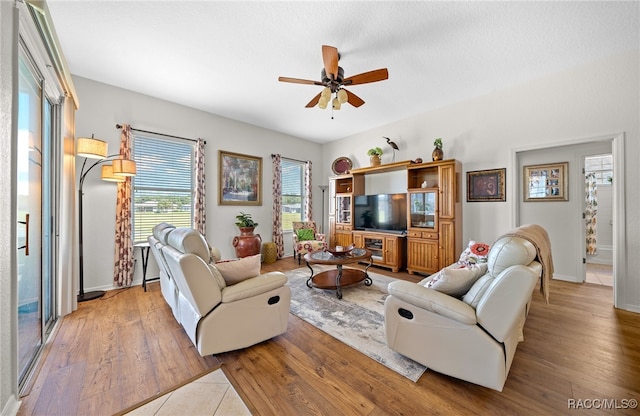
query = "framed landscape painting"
{"x": 239, "y": 179}
{"x": 486, "y": 185}
{"x": 548, "y": 182}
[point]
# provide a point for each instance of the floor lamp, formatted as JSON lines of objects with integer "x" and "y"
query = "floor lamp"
{"x": 117, "y": 171}
{"x": 324, "y": 188}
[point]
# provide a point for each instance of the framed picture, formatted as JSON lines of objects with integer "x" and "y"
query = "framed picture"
{"x": 549, "y": 182}
{"x": 486, "y": 185}
{"x": 239, "y": 179}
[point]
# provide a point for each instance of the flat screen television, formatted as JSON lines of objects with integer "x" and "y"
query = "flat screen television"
{"x": 383, "y": 212}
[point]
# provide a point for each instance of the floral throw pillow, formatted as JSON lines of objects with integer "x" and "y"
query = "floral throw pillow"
{"x": 474, "y": 253}
{"x": 306, "y": 234}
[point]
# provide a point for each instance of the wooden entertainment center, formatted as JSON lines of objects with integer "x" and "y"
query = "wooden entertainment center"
{"x": 433, "y": 236}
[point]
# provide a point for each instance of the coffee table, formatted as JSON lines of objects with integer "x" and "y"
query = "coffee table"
{"x": 338, "y": 278}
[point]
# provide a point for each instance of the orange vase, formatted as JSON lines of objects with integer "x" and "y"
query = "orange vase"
{"x": 247, "y": 243}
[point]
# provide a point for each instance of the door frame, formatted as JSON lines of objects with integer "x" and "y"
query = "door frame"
{"x": 619, "y": 214}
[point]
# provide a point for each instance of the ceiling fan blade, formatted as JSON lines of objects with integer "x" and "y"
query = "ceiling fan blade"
{"x": 299, "y": 81}
{"x": 330, "y": 59}
{"x": 353, "y": 99}
{"x": 366, "y": 77}
{"x": 313, "y": 101}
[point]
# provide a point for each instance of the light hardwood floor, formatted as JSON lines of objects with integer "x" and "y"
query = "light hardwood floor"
{"x": 126, "y": 347}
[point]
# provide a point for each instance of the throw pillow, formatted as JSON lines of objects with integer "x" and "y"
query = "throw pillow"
{"x": 237, "y": 270}
{"x": 455, "y": 280}
{"x": 306, "y": 234}
{"x": 474, "y": 253}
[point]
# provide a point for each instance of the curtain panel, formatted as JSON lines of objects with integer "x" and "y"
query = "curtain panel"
{"x": 199, "y": 213}
{"x": 277, "y": 236}
{"x": 591, "y": 213}
{"x": 308, "y": 211}
{"x": 123, "y": 260}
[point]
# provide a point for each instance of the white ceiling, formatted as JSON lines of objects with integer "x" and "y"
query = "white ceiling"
{"x": 225, "y": 57}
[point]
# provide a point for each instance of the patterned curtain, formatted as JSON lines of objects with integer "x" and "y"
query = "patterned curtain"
{"x": 277, "y": 205}
{"x": 308, "y": 212}
{"x": 591, "y": 199}
{"x": 123, "y": 270}
{"x": 199, "y": 215}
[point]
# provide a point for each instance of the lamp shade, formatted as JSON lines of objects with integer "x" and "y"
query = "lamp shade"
{"x": 342, "y": 96}
{"x": 108, "y": 175}
{"x": 124, "y": 167}
{"x": 91, "y": 148}
{"x": 336, "y": 104}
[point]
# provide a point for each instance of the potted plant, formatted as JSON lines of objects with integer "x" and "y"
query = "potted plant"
{"x": 437, "y": 153}
{"x": 247, "y": 243}
{"x": 374, "y": 155}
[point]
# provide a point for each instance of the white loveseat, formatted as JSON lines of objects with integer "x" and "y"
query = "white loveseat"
{"x": 216, "y": 316}
{"x": 473, "y": 338}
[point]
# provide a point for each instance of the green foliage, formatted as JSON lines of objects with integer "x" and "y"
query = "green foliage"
{"x": 438, "y": 143}
{"x": 374, "y": 151}
{"x": 245, "y": 220}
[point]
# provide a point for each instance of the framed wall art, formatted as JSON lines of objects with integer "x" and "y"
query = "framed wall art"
{"x": 548, "y": 182}
{"x": 239, "y": 179}
{"x": 486, "y": 185}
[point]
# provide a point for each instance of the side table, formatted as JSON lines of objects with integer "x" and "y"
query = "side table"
{"x": 144, "y": 254}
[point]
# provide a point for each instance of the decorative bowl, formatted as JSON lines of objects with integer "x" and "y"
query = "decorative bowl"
{"x": 341, "y": 250}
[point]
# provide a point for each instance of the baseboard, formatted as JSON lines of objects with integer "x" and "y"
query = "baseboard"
{"x": 12, "y": 406}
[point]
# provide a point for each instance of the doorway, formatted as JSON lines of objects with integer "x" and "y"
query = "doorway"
{"x": 598, "y": 211}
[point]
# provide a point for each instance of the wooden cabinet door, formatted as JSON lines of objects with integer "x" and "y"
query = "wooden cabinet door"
{"x": 422, "y": 255}
{"x": 343, "y": 238}
{"x": 358, "y": 240}
{"x": 391, "y": 251}
{"x": 447, "y": 178}
{"x": 447, "y": 244}
{"x": 332, "y": 197}
{"x": 331, "y": 237}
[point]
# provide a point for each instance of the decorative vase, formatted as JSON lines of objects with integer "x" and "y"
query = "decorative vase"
{"x": 375, "y": 160}
{"x": 437, "y": 154}
{"x": 247, "y": 243}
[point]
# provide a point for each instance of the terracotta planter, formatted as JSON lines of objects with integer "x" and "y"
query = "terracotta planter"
{"x": 374, "y": 160}
{"x": 247, "y": 243}
{"x": 437, "y": 154}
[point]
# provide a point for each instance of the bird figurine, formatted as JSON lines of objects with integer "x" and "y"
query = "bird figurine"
{"x": 393, "y": 146}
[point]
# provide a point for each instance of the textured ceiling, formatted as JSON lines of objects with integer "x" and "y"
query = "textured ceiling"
{"x": 225, "y": 57}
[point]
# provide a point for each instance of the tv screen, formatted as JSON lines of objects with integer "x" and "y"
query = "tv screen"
{"x": 383, "y": 212}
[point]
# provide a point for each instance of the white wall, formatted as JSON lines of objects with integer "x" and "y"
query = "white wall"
{"x": 103, "y": 106}
{"x": 483, "y": 133}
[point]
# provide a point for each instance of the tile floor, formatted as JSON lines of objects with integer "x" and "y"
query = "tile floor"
{"x": 600, "y": 274}
{"x": 210, "y": 395}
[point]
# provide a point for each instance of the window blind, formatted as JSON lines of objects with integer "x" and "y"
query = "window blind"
{"x": 163, "y": 185}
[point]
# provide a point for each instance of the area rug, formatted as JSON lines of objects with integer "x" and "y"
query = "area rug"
{"x": 357, "y": 319}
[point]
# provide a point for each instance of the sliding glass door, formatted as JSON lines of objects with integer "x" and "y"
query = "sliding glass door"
{"x": 35, "y": 277}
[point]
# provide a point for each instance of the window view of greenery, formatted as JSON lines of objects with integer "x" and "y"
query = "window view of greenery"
{"x": 292, "y": 194}
{"x": 163, "y": 185}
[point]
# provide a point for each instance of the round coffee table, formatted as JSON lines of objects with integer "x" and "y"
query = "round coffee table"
{"x": 338, "y": 278}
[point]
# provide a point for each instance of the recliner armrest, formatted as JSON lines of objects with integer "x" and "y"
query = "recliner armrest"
{"x": 253, "y": 286}
{"x": 433, "y": 301}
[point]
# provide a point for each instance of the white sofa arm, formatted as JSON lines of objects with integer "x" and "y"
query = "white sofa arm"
{"x": 433, "y": 301}
{"x": 253, "y": 286}
{"x": 505, "y": 300}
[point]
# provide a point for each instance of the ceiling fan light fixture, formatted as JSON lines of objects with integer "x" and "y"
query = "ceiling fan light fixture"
{"x": 323, "y": 103}
{"x": 336, "y": 104}
{"x": 326, "y": 93}
{"x": 342, "y": 96}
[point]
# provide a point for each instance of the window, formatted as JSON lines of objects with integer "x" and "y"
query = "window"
{"x": 292, "y": 192}
{"x": 163, "y": 185}
{"x": 601, "y": 166}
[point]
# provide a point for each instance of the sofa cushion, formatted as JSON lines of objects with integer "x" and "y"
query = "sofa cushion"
{"x": 306, "y": 234}
{"x": 474, "y": 253}
{"x": 509, "y": 251}
{"x": 237, "y": 270}
{"x": 188, "y": 240}
{"x": 455, "y": 280}
{"x": 473, "y": 296}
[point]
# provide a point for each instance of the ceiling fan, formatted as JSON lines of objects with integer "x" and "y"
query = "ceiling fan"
{"x": 332, "y": 78}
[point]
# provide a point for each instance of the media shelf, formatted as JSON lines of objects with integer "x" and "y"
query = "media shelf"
{"x": 387, "y": 249}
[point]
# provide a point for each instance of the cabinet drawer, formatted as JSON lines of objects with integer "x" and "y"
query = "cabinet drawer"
{"x": 343, "y": 227}
{"x": 423, "y": 234}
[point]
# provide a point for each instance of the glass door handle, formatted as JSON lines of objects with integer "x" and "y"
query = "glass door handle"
{"x": 26, "y": 240}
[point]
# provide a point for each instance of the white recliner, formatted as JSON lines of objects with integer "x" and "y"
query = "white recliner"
{"x": 473, "y": 338}
{"x": 218, "y": 317}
